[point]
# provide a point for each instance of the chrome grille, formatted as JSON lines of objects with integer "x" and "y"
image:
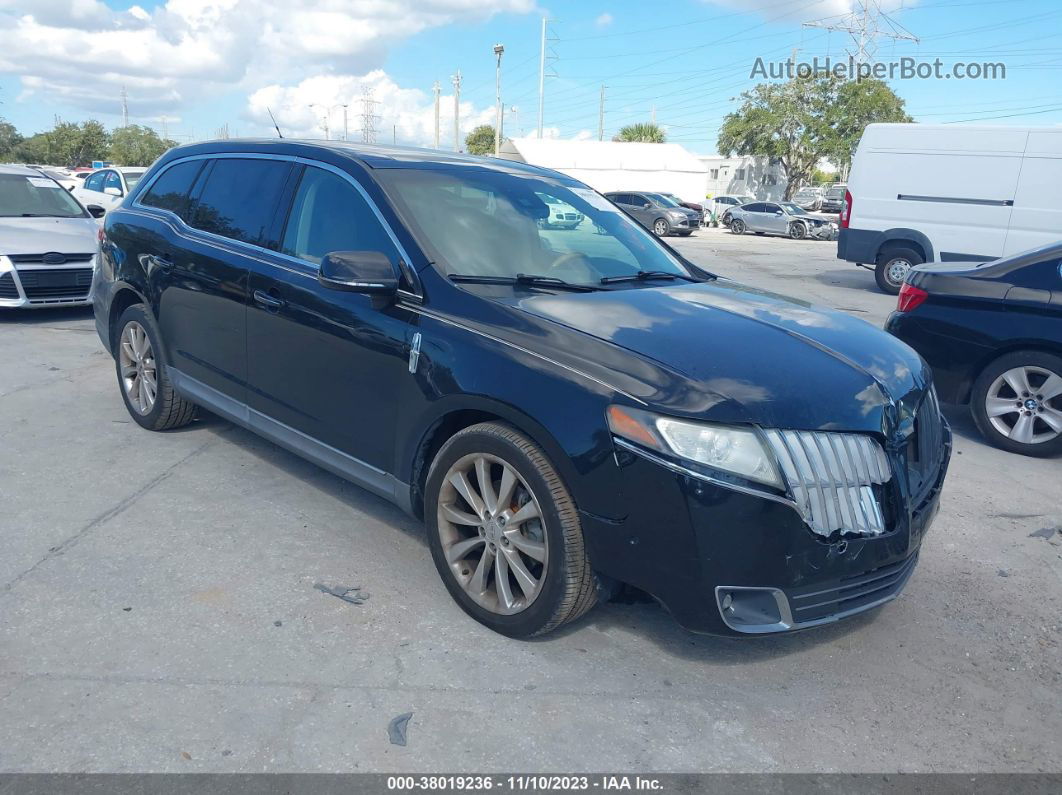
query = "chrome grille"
{"x": 831, "y": 477}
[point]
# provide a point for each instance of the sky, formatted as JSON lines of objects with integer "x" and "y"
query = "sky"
{"x": 193, "y": 68}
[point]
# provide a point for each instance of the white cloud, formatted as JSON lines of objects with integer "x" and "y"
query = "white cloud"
{"x": 82, "y": 52}
{"x": 604, "y": 20}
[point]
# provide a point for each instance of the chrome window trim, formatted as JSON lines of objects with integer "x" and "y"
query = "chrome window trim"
{"x": 180, "y": 226}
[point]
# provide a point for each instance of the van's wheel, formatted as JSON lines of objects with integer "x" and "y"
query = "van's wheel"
{"x": 661, "y": 227}
{"x": 737, "y": 226}
{"x": 798, "y": 231}
{"x": 142, "y": 377}
{"x": 1017, "y": 403}
{"x": 505, "y": 534}
{"x": 893, "y": 266}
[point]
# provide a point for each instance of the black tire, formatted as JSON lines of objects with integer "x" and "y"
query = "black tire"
{"x": 982, "y": 390}
{"x": 797, "y": 231}
{"x": 892, "y": 267}
{"x": 726, "y": 219}
{"x": 661, "y": 227}
{"x": 737, "y": 226}
{"x": 170, "y": 410}
{"x": 569, "y": 588}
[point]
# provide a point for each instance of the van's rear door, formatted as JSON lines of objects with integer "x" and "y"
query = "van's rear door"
{"x": 1036, "y": 219}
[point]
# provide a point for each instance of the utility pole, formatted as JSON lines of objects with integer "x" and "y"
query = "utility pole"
{"x": 601, "y": 115}
{"x": 435, "y": 89}
{"x": 543, "y": 59}
{"x": 652, "y": 113}
{"x": 345, "y": 123}
{"x": 125, "y": 108}
{"x": 865, "y": 24}
{"x": 457, "y": 111}
{"x": 498, "y": 50}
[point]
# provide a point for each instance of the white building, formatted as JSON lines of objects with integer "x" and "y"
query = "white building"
{"x": 614, "y": 166}
{"x": 744, "y": 175}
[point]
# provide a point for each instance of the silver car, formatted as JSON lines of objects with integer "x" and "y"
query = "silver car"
{"x": 48, "y": 242}
{"x": 809, "y": 198}
{"x": 780, "y": 218}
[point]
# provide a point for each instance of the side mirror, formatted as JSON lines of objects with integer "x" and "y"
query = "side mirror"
{"x": 96, "y": 211}
{"x": 367, "y": 272}
{"x": 778, "y": 212}
{"x": 112, "y": 191}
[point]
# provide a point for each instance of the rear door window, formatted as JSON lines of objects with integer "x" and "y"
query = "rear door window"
{"x": 239, "y": 199}
{"x": 329, "y": 214}
{"x": 754, "y": 208}
{"x": 173, "y": 187}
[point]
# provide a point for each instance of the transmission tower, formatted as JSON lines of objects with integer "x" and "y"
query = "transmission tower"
{"x": 865, "y": 23}
{"x": 368, "y": 116}
{"x": 125, "y": 108}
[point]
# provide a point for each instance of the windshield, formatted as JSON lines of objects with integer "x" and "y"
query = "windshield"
{"x": 794, "y": 209}
{"x": 835, "y": 193}
{"x": 663, "y": 199}
{"x": 490, "y": 223}
{"x": 36, "y": 196}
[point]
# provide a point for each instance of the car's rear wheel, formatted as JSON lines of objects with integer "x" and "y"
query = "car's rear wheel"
{"x": 1017, "y": 403}
{"x": 893, "y": 266}
{"x": 505, "y": 534}
{"x": 144, "y": 382}
{"x": 661, "y": 228}
{"x": 737, "y": 226}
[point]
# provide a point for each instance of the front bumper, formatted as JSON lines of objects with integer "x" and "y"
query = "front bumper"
{"x": 37, "y": 285}
{"x": 691, "y": 543}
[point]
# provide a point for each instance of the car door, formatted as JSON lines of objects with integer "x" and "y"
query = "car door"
{"x": 201, "y": 273}
{"x": 322, "y": 362}
{"x": 113, "y": 190}
{"x": 91, "y": 192}
{"x": 643, "y": 210}
{"x": 752, "y": 215}
{"x": 774, "y": 219}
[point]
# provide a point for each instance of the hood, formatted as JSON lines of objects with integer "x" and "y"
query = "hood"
{"x": 730, "y": 353}
{"x": 42, "y": 235}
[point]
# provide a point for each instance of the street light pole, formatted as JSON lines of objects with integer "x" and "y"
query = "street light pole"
{"x": 498, "y": 50}
{"x": 344, "y": 122}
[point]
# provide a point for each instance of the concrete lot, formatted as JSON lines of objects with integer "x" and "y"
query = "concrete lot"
{"x": 157, "y": 610}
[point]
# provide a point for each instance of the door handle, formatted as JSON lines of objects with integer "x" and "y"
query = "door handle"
{"x": 160, "y": 262}
{"x": 267, "y": 300}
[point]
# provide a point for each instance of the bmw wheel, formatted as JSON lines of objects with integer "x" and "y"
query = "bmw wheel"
{"x": 505, "y": 534}
{"x": 1017, "y": 403}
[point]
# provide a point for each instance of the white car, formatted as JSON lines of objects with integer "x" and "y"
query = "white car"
{"x": 722, "y": 205}
{"x": 62, "y": 176}
{"x": 48, "y": 242}
{"x": 108, "y": 186}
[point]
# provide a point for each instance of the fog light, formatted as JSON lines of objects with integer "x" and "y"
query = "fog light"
{"x": 754, "y": 610}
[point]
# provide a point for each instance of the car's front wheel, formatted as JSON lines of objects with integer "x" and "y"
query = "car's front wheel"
{"x": 505, "y": 534}
{"x": 797, "y": 230}
{"x": 661, "y": 228}
{"x": 1017, "y": 403}
{"x": 145, "y": 384}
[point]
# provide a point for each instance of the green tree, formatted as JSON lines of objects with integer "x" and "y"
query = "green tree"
{"x": 137, "y": 146}
{"x": 646, "y": 132}
{"x": 9, "y": 141}
{"x": 72, "y": 144}
{"x": 33, "y": 149}
{"x": 804, "y": 120}
{"x": 480, "y": 141}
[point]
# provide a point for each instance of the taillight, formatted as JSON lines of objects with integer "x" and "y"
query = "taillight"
{"x": 910, "y": 298}
{"x": 846, "y": 210}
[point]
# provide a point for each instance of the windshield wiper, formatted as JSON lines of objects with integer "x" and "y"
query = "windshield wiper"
{"x": 522, "y": 278}
{"x": 642, "y": 276}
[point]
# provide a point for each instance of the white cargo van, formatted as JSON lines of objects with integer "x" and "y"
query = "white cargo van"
{"x": 923, "y": 193}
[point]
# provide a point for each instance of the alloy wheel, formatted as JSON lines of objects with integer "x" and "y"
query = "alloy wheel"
{"x": 1024, "y": 404}
{"x": 137, "y": 362}
{"x": 661, "y": 228}
{"x": 492, "y": 533}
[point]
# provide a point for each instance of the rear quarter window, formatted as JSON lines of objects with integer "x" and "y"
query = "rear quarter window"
{"x": 171, "y": 190}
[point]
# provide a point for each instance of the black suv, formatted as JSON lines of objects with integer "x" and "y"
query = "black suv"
{"x": 566, "y": 410}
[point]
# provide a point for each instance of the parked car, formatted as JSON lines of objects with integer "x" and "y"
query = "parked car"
{"x": 47, "y": 242}
{"x": 809, "y": 198}
{"x": 697, "y": 208}
{"x": 992, "y": 332}
{"x": 561, "y": 418}
{"x": 654, "y": 212}
{"x": 722, "y": 205}
{"x": 780, "y": 218}
{"x": 833, "y": 198}
{"x": 923, "y": 193}
{"x": 561, "y": 215}
{"x": 108, "y": 186}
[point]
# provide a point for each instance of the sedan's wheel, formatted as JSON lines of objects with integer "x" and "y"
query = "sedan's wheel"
{"x": 737, "y": 226}
{"x": 892, "y": 268}
{"x": 505, "y": 534}
{"x": 1017, "y": 403}
{"x": 798, "y": 231}
{"x": 145, "y": 385}
{"x": 661, "y": 227}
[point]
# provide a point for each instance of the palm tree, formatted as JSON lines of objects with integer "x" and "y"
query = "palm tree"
{"x": 646, "y": 132}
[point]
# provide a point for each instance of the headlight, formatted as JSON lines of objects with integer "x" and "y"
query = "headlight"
{"x": 728, "y": 448}
{"x": 677, "y": 215}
